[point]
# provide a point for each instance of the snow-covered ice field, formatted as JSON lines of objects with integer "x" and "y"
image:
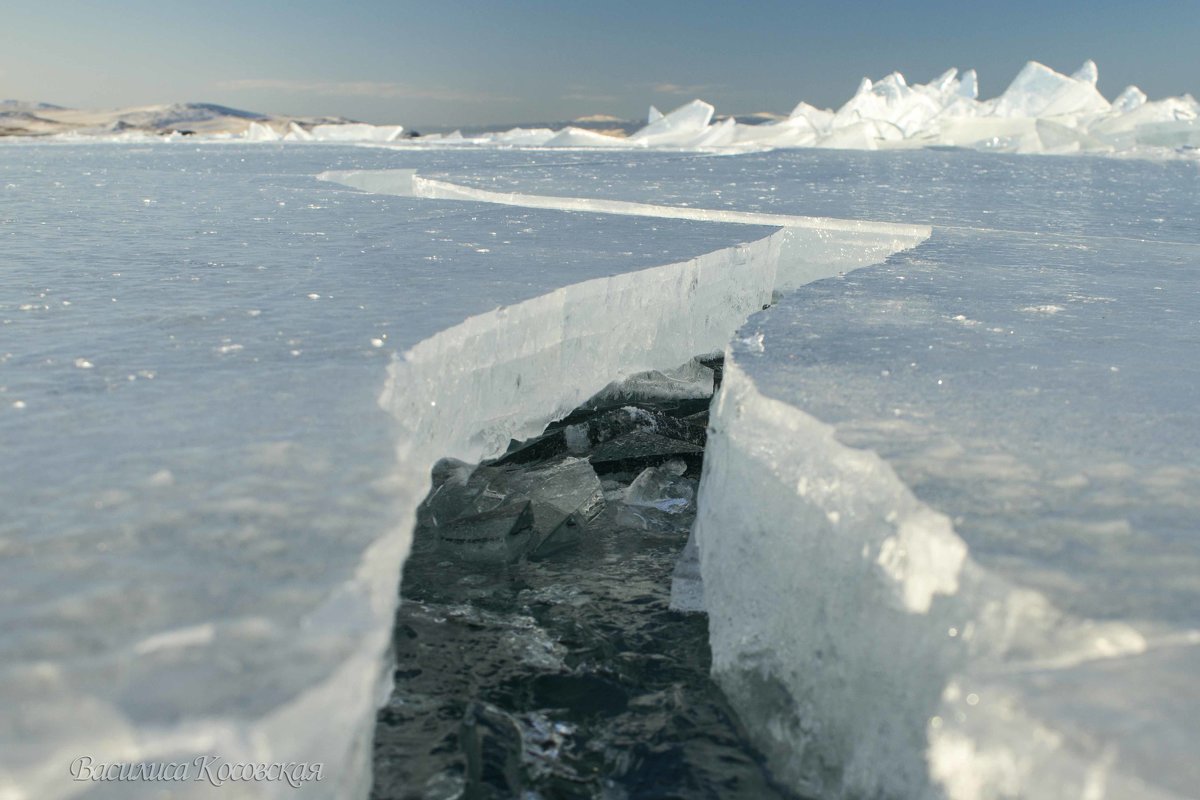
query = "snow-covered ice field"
{"x": 948, "y": 522}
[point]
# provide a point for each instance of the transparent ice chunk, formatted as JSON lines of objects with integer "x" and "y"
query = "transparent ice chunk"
{"x": 504, "y": 513}
{"x": 492, "y": 742}
{"x": 663, "y": 488}
{"x": 688, "y": 381}
{"x": 503, "y": 533}
{"x": 565, "y": 498}
{"x": 660, "y": 499}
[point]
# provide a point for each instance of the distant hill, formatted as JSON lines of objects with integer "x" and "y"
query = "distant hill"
{"x": 22, "y": 118}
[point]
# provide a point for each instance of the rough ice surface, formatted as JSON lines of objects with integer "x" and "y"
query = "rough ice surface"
{"x": 681, "y": 127}
{"x": 341, "y": 132}
{"x": 355, "y": 132}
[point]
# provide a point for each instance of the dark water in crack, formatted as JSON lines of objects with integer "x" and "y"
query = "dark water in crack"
{"x": 566, "y": 677}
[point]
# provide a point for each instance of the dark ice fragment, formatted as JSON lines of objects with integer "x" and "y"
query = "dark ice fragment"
{"x": 502, "y": 513}
{"x": 614, "y": 423}
{"x": 504, "y": 533}
{"x": 539, "y": 448}
{"x": 717, "y": 364}
{"x": 566, "y": 497}
{"x": 640, "y": 449}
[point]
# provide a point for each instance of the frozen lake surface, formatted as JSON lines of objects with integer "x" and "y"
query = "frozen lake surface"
{"x": 947, "y": 523}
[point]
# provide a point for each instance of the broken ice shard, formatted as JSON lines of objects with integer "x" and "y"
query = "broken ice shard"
{"x": 687, "y": 587}
{"x": 690, "y": 381}
{"x": 501, "y": 513}
{"x": 655, "y": 401}
{"x": 678, "y": 128}
{"x": 539, "y": 448}
{"x": 566, "y": 497}
{"x": 663, "y": 488}
{"x": 491, "y": 741}
{"x": 584, "y": 436}
{"x": 500, "y": 534}
{"x": 660, "y": 499}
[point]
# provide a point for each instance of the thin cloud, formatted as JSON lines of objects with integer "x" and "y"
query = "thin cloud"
{"x": 677, "y": 88}
{"x": 357, "y": 89}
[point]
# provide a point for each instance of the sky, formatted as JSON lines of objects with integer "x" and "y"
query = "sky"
{"x": 471, "y": 62}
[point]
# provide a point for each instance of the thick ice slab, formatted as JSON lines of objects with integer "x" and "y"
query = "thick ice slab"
{"x": 948, "y": 521}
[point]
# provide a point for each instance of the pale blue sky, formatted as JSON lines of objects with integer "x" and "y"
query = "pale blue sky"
{"x": 472, "y": 62}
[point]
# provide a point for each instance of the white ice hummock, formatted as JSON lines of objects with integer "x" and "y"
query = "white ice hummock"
{"x": 1041, "y": 111}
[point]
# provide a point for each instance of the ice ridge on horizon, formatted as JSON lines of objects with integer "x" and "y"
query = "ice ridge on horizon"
{"x": 1041, "y": 111}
